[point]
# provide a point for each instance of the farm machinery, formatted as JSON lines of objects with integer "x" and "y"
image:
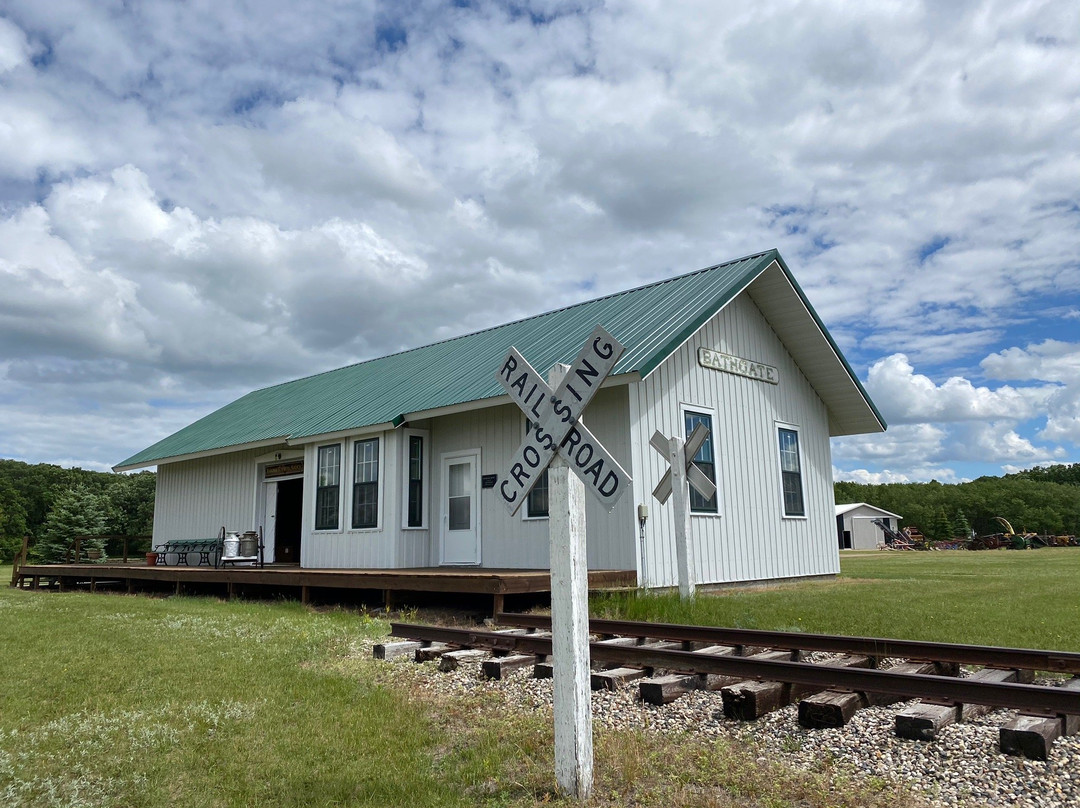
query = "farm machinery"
{"x": 1012, "y": 540}
{"x": 907, "y": 539}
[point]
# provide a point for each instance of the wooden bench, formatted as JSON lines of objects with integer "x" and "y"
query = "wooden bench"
{"x": 209, "y": 551}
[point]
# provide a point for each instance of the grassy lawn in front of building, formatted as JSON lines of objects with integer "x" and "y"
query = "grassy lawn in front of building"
{"x": 1017, "y": 598}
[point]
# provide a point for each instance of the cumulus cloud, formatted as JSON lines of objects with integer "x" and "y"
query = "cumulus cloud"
{"x": 217, "y": 200}
{"x": 909, "y": 397}
{"x": 1052, "y": 360}
{"x": 884, "y": 477}
{"x": 14, "y": 49}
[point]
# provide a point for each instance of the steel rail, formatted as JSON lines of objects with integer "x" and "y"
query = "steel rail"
{"x": 983, "y": 655}
{"x": 1029, "y": 698}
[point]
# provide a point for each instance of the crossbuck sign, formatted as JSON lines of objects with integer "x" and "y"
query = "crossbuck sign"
{"x": 554, "y": 425}
{"x": 676, "y": 484}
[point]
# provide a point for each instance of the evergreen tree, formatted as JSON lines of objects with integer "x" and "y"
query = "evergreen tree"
{"x": 76, "y": 512}
{"x": 961, "y": 528}
{"x": 940, "y": 527}
{"x": 12, "y": 522}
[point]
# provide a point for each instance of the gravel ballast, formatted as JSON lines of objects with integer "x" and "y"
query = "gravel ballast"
{"x": 962, "y": 768}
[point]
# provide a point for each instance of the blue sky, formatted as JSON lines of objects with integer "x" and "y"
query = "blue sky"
{"x": 198, "y": 199}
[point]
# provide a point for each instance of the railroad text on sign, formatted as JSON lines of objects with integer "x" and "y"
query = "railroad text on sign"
{"x": 554, "y": 426}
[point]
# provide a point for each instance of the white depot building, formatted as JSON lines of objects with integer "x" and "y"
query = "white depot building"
{"x": 393, "y": 463}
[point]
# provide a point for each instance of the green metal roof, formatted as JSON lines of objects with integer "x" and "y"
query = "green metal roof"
{"x": 651, "y": 321}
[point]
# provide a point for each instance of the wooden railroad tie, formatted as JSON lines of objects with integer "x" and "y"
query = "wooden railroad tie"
{"x": 1033, "y": 735}
{"x": 923, "y": 722}
{"x": 834, "y": 708}
{"x": 749, "y": 700}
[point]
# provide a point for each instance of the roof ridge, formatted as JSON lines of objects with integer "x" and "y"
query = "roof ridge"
{"x": 514, "y": 322}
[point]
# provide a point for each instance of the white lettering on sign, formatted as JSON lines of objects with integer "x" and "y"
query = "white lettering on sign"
{"x": 556, "y": 429}
{"x": 714, "y": 360}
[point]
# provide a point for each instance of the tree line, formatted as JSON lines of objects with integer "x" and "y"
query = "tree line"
{"x": 1039, "y": 500}
{"x": 52, "y": 505}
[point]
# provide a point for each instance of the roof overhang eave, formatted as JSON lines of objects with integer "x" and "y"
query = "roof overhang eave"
{"x": 784, "y": 304}
{"x": 239, "y": 447}
{"x": 496, "y": 401}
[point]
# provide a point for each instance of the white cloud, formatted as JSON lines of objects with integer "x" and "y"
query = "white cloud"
{"x": 14, "y": 49}
{"x": 884, "y": 477}
{"x": 248, "y": 193}
{"x": 1050, "y": 360}
{"x": 909, "y": 397}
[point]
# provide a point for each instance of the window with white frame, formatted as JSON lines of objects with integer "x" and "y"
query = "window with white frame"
{"x": 414, "y": 481}
{"x": 536, "y": 505}
{"x": 791, "y": 472}
{"x": 328, "y": 487}
{"x": 365, "y": 501}
{"x": 704, "y": 459}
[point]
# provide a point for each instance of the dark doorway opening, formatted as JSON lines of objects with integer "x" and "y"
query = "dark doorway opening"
{"x": 288, "y": 521}
{"x": 843, "y": 535}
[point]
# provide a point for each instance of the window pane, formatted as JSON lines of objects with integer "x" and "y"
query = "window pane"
{"x": 366, "y": 505}
{"x": 327, "y": 488}
{"x": 791, "y": 473}
{"x": 538, "y": 497}
{"x": 459, "y": 479}
{"x": 537, "y": 503}
{"x": 326, "y": 508}
{"x": 460, "y": 513}
{"x": 704, "y": 460}
{"x": 789, "y": 450}
{"x": 367, "y": 461}
{"x": 365, "y": 509}
{"x": 415, "y": 511}
{"x": 329, "y": 465}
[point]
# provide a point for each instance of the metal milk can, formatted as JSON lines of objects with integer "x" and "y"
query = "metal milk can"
{"x": 231, "y": 546}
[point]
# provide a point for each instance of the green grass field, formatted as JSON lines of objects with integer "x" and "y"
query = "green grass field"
{"x": 1001, "y": 597}
{"x": 114, "y": 700}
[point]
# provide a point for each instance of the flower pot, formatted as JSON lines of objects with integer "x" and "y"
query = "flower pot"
{"x": 151, "y": 559}
{"x": 93, "y": 555}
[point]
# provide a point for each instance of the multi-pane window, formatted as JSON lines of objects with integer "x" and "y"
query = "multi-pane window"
{"x": 536, "y": 506}
{"x": 328, "y": 487}
{"x": 365, "y": 505}
{"x": 414, "y": 516}
{"x": 704, "y": 459}
{"x": 791, "y": 472}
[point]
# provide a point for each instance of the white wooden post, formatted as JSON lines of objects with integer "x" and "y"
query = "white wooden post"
{"x": 680, "y": 496}
{"x": 569, "y": 624}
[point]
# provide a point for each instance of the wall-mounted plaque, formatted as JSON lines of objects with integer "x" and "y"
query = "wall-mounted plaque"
{"x": 286, "y": 469}
{"x": 726, "y": 363}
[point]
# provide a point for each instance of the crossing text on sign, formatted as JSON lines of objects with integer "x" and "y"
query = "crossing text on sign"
{"x": 554, "y": 416}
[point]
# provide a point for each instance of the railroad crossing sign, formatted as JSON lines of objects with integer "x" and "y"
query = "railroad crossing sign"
{"x": 683, "y": 473}
{"x": 554, "y": 423}
{"x": 695, "y": 476}
{"x": 557, "y": 439}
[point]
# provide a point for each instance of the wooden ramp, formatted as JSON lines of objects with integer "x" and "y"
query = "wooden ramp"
{"x": 288, "y": 577}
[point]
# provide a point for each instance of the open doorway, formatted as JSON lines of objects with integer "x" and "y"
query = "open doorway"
{"x": 288, "y": 506}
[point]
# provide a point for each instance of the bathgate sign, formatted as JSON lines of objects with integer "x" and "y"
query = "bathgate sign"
{"x": 714, "y": 360}
{"x": 554, "y": 426}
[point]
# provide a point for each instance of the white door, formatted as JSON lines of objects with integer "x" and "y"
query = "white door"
{"x": 269, "y": 520}
{"x": 461, "y": 508}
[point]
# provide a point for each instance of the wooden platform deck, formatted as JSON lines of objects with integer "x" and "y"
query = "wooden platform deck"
{"x": 392, "y": 584}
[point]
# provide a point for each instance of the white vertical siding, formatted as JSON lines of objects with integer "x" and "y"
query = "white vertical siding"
{"x": 750, "y": 539}
{"x": 196, "y": 498}
{"x": 517, "y": 543}
{"x": 345, "y": 547}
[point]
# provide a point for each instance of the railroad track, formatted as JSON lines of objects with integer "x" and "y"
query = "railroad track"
{"x": 755, "y": 672}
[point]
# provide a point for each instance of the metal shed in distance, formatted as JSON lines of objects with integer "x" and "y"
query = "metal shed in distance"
{"x": 855, "y": 528}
